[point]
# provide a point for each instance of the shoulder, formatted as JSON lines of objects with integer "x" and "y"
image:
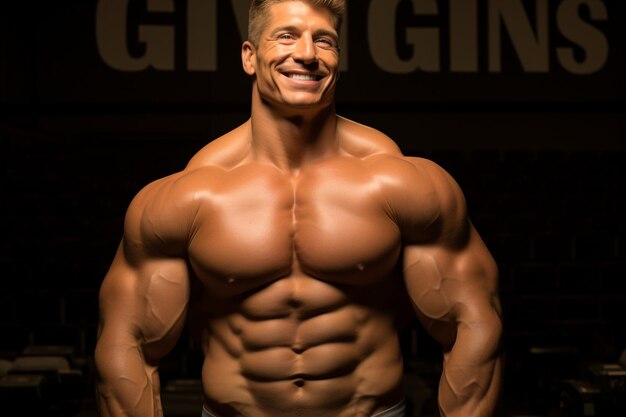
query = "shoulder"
{"x": 425, "y": 199}
{"x": 443, "y": 184}
{"x": 407, "y": 181}
{"x": 160, "y": 218}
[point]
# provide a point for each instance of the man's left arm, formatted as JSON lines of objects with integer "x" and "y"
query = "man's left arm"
{"x": 452, "y": 281}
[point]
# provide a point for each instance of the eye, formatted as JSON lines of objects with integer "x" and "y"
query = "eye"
{"x": 326, "y": 43}
{"x": 286, "y": 37}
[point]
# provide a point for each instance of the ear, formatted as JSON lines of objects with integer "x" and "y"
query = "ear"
{"x": 248, "y": 57}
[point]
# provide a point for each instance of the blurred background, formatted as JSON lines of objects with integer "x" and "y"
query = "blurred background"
{"x": 523, "y": 102}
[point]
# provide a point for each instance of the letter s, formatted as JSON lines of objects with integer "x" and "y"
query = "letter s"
{"x": 591, "y": 39}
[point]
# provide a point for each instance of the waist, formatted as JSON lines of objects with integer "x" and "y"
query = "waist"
{"x": 398, "y": 410}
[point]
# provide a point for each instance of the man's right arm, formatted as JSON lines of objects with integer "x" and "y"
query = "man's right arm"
{"x": 143, "y": 303}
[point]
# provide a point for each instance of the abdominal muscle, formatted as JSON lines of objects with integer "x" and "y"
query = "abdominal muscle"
{"x": 302, "y": 347}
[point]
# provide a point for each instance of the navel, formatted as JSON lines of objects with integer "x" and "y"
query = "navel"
{"x": 298, "y": 380}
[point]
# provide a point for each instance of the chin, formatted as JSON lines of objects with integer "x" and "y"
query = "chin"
{"x": 307, "y": 103}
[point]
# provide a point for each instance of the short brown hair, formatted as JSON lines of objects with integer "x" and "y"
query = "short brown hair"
{"x": 258, "y": 14}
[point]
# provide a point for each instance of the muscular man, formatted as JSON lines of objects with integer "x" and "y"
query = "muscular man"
{"x": 287, "y": 245}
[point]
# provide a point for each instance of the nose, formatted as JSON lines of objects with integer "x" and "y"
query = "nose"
{"x": 304, "y": 50}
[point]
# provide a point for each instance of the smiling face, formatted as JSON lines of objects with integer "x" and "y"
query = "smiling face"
{"x": 295, "y": 63}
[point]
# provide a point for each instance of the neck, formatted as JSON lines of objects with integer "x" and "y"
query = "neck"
{"x": 292, "y": 138}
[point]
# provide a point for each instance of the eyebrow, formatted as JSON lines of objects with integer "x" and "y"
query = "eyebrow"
{"x": 319, "y": 32}
{"x": 325, "y": 32}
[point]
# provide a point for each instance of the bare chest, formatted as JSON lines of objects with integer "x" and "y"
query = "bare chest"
{"x": 328, "y": 223}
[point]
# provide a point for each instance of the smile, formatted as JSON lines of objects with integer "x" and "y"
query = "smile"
{"x": 303, "y": 77}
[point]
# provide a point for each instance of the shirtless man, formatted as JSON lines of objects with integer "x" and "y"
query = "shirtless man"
{"x": 288, "y": 245}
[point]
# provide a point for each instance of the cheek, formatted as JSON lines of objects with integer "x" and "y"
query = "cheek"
{"x": 331, "y": 63}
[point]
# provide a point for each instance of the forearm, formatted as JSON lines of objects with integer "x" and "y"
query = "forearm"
{"x": 127, "y": 386}
{"x": 470, "y": 392}
{"x": 470, "y": 382}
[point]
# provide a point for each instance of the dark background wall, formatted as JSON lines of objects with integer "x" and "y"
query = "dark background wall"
{"x": 522, "y": 101}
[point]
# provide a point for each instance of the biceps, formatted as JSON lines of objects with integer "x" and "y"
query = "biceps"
{"x": 426, "y": 285}
{"x": 452, "y": 285}
{"x": 145, "y": 303}
{"x": 165, "y": 298}
{"x": 453, "y": 308}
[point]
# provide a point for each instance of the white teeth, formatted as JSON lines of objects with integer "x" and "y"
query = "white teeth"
{"x": 302, "y": 77}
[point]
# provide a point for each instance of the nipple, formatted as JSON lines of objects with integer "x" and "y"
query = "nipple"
{"x": 360, "y": 267}
{"x": 231, "y": 280}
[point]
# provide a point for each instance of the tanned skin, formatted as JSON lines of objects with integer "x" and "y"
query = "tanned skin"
{"x": 287, "y": 246}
